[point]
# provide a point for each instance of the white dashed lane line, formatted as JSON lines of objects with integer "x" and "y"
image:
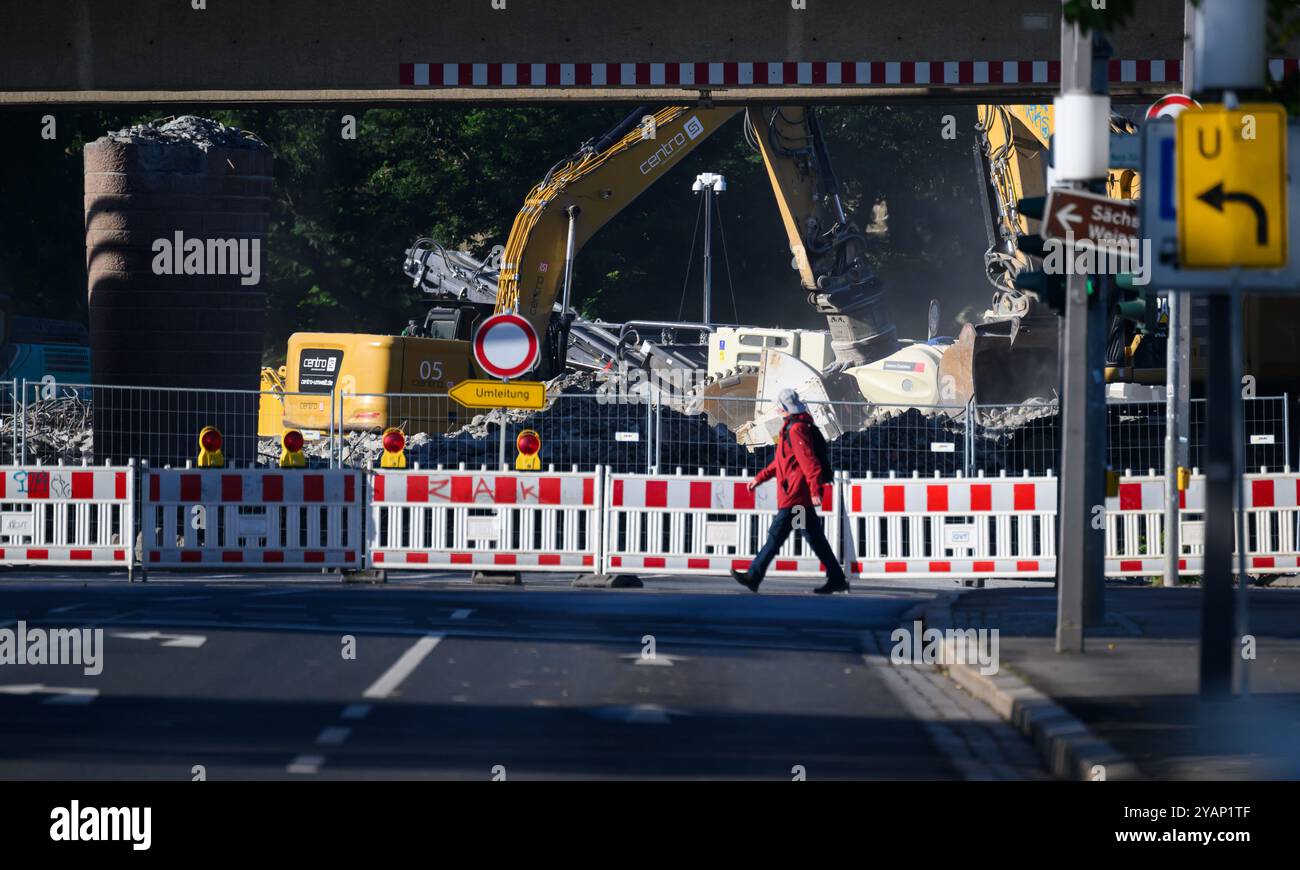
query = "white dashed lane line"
{"x": 387, "y": 684}
{"x": 333, "y": 736}
{"x": 356, "y": 711}
{"x": 306, "y": 764}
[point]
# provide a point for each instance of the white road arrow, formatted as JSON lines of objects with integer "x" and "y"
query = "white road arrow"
{"x": 188, "y": 641}
{"x": 1067, "y": 217}
{"x": 62, "y": 695}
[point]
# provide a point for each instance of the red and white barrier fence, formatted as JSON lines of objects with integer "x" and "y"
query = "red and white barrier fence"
{"x": 588, "y": 522}
{"x": 952, "y": 527}
{"x": 1135, "y": 521}
{"x": 254, "y": 519}
{"x": 485, "y": 520}
{"x": 702, "y": 525}
{"x": 65, "y": 515}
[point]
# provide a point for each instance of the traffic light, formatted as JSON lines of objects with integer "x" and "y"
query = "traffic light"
{"x": 1049, "y": 288}
{"x": 1138, "y": 304}
{"x": 210, "y": 455}
{"x": 394, "y": 443}
{"x": 291, "y": 455}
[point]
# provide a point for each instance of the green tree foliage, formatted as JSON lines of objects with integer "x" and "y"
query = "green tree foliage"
{"x": 344, "y": 210}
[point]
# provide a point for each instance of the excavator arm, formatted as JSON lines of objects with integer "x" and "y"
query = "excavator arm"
{"x": 584, "y": 192}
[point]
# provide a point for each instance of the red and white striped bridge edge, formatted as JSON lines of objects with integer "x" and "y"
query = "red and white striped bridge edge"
{"x": 67, "y": 516}
{"x": 485, "y": 520}
{"x": 702, "y": 525}
{"x": 770, "y": 73}
{"x": 254, "y": 518}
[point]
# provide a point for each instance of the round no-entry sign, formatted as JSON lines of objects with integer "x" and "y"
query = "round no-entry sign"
{"x": 1170, "y": 106}
{"x": 506, "y": 346}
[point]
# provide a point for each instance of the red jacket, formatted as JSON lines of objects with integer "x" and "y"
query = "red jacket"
{"x": 797, "y": 470}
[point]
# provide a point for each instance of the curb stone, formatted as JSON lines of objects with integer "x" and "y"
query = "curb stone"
{"x": 1069, "y": 749}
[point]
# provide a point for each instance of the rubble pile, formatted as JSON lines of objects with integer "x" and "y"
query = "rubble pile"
{"x": 57, "y": 429}
{"x": 203, "y": 133}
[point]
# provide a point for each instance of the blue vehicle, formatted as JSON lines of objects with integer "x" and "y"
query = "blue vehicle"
{"x": 33, "y": 347}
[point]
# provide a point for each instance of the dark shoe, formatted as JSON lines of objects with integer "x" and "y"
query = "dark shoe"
{"x": 743, "y": 578}
{"x": 832, "y": 586}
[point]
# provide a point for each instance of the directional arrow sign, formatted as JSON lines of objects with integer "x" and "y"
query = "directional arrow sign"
{"x": 187, "y": 641}
{"x": 1088, "y": 218}
{"x": 1232, "y": 187}
{"x": 495, "y": 394}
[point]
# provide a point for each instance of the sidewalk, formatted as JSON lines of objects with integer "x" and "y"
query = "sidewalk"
{"x": 1130, "y": 701}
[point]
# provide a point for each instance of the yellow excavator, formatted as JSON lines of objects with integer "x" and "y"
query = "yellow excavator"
{"x": 859, "y": 357}
{"x": 575, "y": 199}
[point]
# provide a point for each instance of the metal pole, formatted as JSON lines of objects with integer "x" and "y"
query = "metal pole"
{"x": 708, "y": 251}
{"x": 1173, "y": 360}
{"x": 1286, "y": 432}
{"x": 17, "y": 404}
{"x": 501, "y": 447}
{"x": 1081, "y": 562}
{"x": 566, "y": 315}
{"x": 23, "y": 458}
{"x": 1239, "y": 426}
{"x": 1221, "y": 466}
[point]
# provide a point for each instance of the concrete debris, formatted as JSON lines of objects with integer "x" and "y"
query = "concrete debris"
{"x": 57, "y": 429}
{"x": 202, "y": 133}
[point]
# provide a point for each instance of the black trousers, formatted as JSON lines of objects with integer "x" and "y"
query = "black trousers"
{"x": 813, "y": 534}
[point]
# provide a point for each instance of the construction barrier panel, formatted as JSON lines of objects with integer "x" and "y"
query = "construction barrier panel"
{"x": 485, "y": 520}
{"x": 703, "y": 525}
{"x": 252, "y": 518}
{"x": 65, "y": 515}
{"x": 952, "y": 527}
{"x": 1135, "y": 540}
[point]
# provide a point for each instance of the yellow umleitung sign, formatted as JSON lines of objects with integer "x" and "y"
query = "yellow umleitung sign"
{"x": 1232, "y": 182}
{"x": 495, "y": 394}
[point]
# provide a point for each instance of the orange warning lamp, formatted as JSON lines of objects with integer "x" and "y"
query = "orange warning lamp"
{"x": 529, "y": 444}
{"x": 291, "y": 455}
{"x": 210, "y": 455}
{"x": 394, "y": 443}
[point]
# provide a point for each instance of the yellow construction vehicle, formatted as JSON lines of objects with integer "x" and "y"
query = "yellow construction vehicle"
{"x": 863, "y": 359}
{"x": 575, "y": 199}
{"x": 1013, "y": 353}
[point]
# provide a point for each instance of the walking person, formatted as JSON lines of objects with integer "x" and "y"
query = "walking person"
{"x": 801, "y": 467}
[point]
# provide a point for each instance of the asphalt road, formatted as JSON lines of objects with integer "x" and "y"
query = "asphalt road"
{"x": 249, "y": 679}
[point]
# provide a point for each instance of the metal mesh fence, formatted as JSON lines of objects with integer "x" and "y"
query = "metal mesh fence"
{"x": 158, "y": 425}
{"x": 627, "y": 433}
{"x": 9, "y": 422}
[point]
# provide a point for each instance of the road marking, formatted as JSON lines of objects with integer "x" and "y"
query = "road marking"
{"x": 65, "y": 609}
{"x": 356, "y": 711}
{"x": 275, "y": 592}
{"x": 185, "y": 641}
{"x": 642, "y": 714}
{"x": 306, "y": 764}
{"x": 333, "y": 736}
{"x": 183, "y": 598}
{"x": 68, "y": 695}
{"x": 658, "y": 660}
{"x": 461, "y": 614}
{"x": 401, "y": 669}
